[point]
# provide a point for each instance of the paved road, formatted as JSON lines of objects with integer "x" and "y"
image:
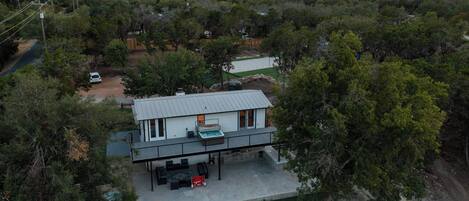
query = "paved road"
{"x": 28, "y": 58}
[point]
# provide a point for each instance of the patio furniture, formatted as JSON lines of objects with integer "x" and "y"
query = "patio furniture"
{"x": 169, "y": 165}
{"x": 202, "y": 169}
{"x": 185, "y": 183}
{"x": 184, "y": 163}
{"x": 198, "y": 181}
{"x": 190, "y": 134}
{"x": 161, "y": 176}
{"x": 174, "y": 185}
{"x": 182, "y": 178}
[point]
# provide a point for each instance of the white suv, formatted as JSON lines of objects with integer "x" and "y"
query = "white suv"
{"x": 95, "y": 78}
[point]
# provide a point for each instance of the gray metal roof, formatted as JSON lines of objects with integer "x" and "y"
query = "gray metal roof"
{"x": 203, "y": 103}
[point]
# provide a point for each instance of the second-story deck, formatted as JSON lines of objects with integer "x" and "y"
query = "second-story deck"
{"x": 180, "y": 147}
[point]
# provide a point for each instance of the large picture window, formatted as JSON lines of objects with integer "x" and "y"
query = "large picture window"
{"x": 242, "y": 119}
{"x": 250, "y": 118}
{"x": 246, "y": 118}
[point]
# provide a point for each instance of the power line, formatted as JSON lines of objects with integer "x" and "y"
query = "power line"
{"x": 17, "y": 13}
{"x": 24, "y": 25}
{"x": 22, "y": 21}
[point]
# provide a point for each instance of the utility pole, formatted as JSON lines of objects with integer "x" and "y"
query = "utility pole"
{"x": 41, "y": 15}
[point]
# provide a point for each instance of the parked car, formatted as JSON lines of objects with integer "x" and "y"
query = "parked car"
{"x": 95, "y": 78}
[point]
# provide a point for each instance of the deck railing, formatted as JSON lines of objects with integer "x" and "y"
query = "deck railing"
{"x": 195, "y": 146}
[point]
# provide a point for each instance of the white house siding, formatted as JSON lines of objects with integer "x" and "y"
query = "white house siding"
{"x": 147, "y": 129}
{"x": 176, "y": 127}
{"x": 227, "y": 120}
{"x": 260, "y": 118}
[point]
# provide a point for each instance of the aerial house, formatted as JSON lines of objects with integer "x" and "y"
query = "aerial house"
{"x": 200, "y": 124}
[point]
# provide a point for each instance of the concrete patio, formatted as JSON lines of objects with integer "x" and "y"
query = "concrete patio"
{"x": 254, "y": 179}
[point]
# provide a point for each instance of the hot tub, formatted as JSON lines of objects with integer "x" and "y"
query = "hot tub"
{"x": 211, "y": 136}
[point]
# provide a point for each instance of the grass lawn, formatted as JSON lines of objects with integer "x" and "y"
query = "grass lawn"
{"x": 265, "y": 71}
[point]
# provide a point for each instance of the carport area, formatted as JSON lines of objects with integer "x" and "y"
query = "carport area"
{"x": 253, "y": 179}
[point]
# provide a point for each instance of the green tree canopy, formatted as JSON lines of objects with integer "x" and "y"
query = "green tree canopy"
{"x": 289, "y": 45}
{"x": 349, "y": 123}
{"x": 53, "y": 146}
{"x": 219, "y": 53}
{"x": 70, "y": 68}
{"x": 164, "y": 73}
{"x": 116, "y": 53}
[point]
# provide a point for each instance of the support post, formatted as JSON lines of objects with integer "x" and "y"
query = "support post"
{"x": 151, "y": 174}
{"x": 219, "y": 166}
{"x": 278, "y": 153}
{"x": 41, "y": 15}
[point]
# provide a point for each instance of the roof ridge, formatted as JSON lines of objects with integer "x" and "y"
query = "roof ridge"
{"x": 196, "y": 94}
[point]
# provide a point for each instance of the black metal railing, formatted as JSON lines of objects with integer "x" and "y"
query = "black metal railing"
{"x": 201, "y": 148}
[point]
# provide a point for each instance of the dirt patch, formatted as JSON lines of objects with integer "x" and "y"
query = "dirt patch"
{"x": 452, "y": 180}
{"x": 109, "y": 87}
{"x": 260, "y": 82}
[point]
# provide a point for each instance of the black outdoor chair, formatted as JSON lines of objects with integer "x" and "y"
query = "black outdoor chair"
{"x": 161, "y": 176}
{"x": 202, "y": 169}
{"x": 184, "y": 163}
{"x": 205, "y": 169}
{"x": 174, "y": 185}
{"x": 190, "y": 134}
{"x": 169, "y": 165}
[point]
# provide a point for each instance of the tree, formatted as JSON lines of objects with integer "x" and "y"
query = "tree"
{"x": 288, "y": 46}
{"x": 52, "y": 146}
{"x": 68, "y": 67}
{"x": 218, "y": 54}
{"x": 351, "y": 124}
{"x": 180, "y": 31}
{"x": 164, "y": 73}
{"x": 116, "y": 53}
{"x": 8, "y": 47}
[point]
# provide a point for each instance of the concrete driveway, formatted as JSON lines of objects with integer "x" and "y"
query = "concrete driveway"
{"x": 254, "y": 179}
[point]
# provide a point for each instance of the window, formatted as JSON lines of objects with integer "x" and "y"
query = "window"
{"x": 250, "y": 118}
{"x": 201, "y": 119}
{"x": 152, "y": 128}
{"x": 242, "y": 119}
{"x": 160, "y": 128}
{"x": 246, "y": 118}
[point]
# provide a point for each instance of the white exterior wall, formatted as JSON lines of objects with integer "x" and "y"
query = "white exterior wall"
{"x": 176, "y": 127}
{"x": 227, "y": 120}
{"x": 260, "y": 118}
{"x": 141, "y": 131}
